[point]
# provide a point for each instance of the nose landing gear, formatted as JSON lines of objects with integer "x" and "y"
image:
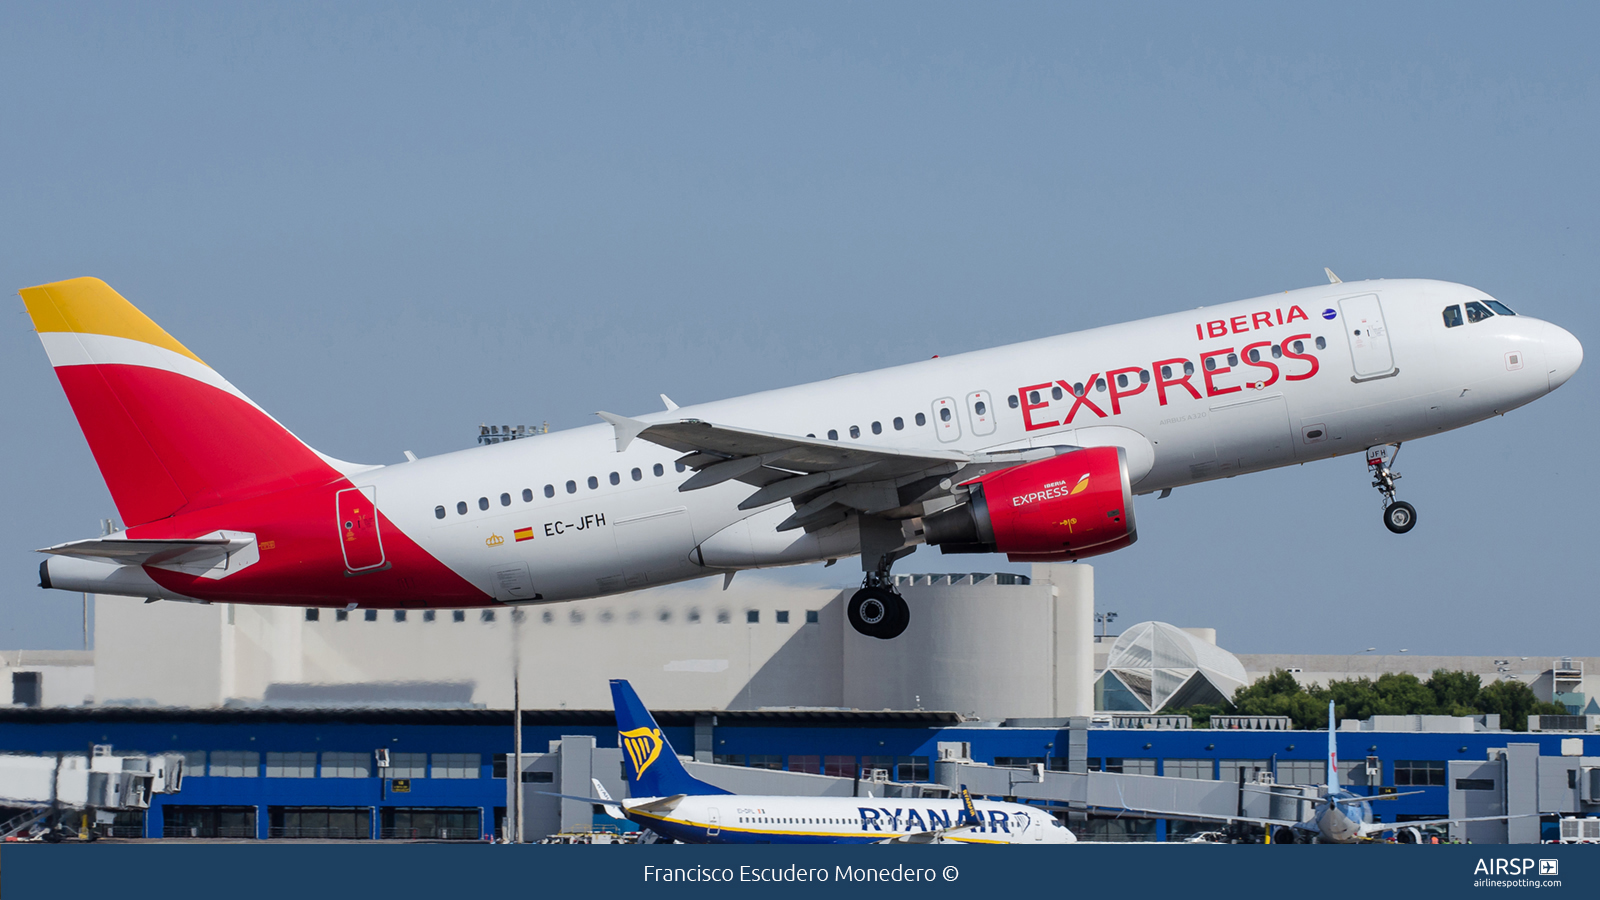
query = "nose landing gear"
{"x": 1398, "y": 515}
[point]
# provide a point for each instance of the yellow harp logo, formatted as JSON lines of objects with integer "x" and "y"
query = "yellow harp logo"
{"x": 643, "y": 746}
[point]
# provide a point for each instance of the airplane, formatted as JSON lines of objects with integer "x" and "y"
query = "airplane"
{"x": 669, "y": 801}
{"x": 1340, "y": 816}
{"x": 1035, "y": 450}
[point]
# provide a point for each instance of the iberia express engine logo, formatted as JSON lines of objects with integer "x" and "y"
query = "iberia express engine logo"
{"x": 643, "y": 746}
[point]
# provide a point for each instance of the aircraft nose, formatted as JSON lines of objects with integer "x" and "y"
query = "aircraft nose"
{"x": 1565, "y": 355}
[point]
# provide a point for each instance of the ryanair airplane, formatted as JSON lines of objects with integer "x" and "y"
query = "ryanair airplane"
{"x": 669, "y": 801}
{"x": 1035, "y": 450}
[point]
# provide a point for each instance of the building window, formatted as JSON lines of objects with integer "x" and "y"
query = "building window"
{"x": 194, "y": 763}
{"x": 1474, "y": 784}
{"x": 1302, "y": 771}
{"x": 407, "y": 765}
{"x": 429, "y": 615}
{"x": 343, "y": 764}
{"x": 838, "y": 766}
{"x": 913, "y": 768}
{"x": 728, "y": 759}
{"x": 208, "y": 821}
{"x": 370, "y": 615}
{"x": 811, "y": 765}
{"x": 766, "y": 761}
{"x": 459, "y": 615}
{"x": 291, "y": 765}
{"x": 320, "y": 822}
{"x": 399, "y": 615}
{"x": 235, "y": 763}
{"x": 312, "y": 615}
{"x": 723, "y": 617}
{"x": 342, "y": 615}
{"x": 1188, "y": 768}
{"x": 455, "y": 765}
{"x": 811, "y": 617}
{"x": 1230, "y": 769}
{"x": 486, "y": 616}
{"x": 447, "y": 824}
{"x": 782, "y": 616}
{"x": 752, "y": 616}
{"x": 1419, "y": 773}
{"x": 1129, "y": 766}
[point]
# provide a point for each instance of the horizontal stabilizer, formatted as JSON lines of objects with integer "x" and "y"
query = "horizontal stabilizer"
{"x": 134, "y": 552}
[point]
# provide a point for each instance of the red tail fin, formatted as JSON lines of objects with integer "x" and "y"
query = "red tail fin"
{"x": 169, "y": 433}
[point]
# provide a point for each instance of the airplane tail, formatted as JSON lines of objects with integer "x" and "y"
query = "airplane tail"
{"x": 170, "y": 434}
{"x": 653, "y": 769}
{"x": 1333, "y": 750}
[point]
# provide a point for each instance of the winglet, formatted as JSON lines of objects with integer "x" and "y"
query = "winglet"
{"x": 968, "y": 809}
{"x": 668, "y": 401}
{"x": 627, "y": 429}
{"x": 1332, "y": 278}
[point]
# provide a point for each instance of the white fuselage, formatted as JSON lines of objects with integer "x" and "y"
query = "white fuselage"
{"x": 602, "y": 521}
{"x": 736, "y": 818}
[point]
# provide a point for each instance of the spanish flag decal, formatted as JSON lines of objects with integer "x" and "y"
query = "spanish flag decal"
{"x": 523, "y": 534}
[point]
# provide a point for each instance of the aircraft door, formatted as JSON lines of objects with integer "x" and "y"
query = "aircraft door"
{"x": 980, "y": 412}
{"x": 654, "y": 547}
{"x": 357, "y": 519}
{"x": 945, "y": 423}
{"x": 713, "y": 821}
{"x": 1368, "y": 337}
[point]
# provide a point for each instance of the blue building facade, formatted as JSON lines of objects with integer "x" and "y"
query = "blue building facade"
{"x": 314, "y": 773}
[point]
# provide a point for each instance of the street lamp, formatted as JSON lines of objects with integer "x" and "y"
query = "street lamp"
{"x": 1103, "y": 620}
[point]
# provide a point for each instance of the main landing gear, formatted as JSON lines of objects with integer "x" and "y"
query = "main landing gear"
{"x": 877, "y": 610}
{"x": 1398, "y": 515}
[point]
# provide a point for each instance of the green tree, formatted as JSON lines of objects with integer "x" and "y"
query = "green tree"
{"x": 1515, "y": 701}
{"x": 1455, "y": 693}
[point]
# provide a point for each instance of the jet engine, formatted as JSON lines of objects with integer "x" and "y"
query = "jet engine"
{"x": 1067, "y": 507}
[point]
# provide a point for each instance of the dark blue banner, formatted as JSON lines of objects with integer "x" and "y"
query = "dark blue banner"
{"x": 311, "y": 871}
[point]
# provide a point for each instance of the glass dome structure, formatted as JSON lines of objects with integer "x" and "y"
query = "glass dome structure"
{"x": 1154, "y": 666}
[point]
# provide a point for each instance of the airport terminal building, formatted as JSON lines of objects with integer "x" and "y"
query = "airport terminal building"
{"x": 371, "y": 725}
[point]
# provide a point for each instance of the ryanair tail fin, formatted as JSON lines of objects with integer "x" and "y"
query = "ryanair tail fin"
{"x": 170, "y": 434}
{"x": 653, "y": 769}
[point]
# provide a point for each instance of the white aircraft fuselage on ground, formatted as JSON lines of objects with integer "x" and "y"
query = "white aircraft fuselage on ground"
{"x": 222, "y": 504}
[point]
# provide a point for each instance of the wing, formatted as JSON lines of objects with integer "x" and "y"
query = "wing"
{"x": 825, "y": 480}
{"x": 1380, "y": 827}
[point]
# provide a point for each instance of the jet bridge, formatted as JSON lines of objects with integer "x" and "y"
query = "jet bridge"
{"x": 46, "y": 789}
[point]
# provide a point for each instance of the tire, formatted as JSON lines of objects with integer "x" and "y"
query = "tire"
{"x": 1400, "y": 517}
{"x": 878, "y": 613}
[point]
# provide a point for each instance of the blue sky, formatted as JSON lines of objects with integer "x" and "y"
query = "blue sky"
{"x": 389, "y": 223}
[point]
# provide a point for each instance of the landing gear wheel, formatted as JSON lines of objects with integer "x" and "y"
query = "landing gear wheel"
{"x": 878, "y": 613}
{"x": 1400, "y": 517}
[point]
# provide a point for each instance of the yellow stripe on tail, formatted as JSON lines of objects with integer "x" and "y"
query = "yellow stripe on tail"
{"x": 90, "y": 306}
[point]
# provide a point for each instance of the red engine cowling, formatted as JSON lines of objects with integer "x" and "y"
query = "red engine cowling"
{"x": 1066, "y": 507}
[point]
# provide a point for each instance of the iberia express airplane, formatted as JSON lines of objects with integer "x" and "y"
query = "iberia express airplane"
{"x": 1034, "y": 450}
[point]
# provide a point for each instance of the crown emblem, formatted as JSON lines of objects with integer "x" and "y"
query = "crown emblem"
{"x": 493, "y": 540}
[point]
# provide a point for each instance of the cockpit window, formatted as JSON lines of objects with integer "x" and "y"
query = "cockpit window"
{"x": 1452, "y": 316}
{"x": 1499, "y": 307}
{"x": 1477, "y": 312}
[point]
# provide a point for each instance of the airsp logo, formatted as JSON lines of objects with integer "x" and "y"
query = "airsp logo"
{"x": 643, "y": 746}
{"x": 1549, "y": 867}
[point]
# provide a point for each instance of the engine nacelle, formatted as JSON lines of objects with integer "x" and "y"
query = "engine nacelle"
{"x": 1072, "y": 506}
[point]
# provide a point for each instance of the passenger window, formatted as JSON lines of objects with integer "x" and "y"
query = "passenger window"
{"x": 549, "y": 490}
{"x": 944, "y": 413}
{"x": 680, "y": 467}
{"x": 833, "y": 434}
{"x": 1033, "y": 400}
{"x": 593, "y": 482}
{"x": 1055, "y": 393}
{"x": 899, "y": 424}
{"x": 1144, "y": 376}
{"x": 1299, "y": 346}
{"x": 505, "y": 499}
{"x": 1452, "y": 316}
{"x": 1077, "y": 389}
{"x": 922, "y": 419}
{"x": 438, "y": 512}
{"x": 483, "y": 503}
{"x": 1122, "y": 381}
{"x": 1322, "y": 344}
{"x": 1233, "y": 359}
{"x": 637, "y": 475}
{"x": 877, "y": 428}
{"x": 1188, "y": 368}
{"x": 461, "y": 508}
{"x": 527, "y": 495}
{"x": 572, "y": 487}
{"x": 1100, "y": 384}
{"x": 1012, "y": 401}
{"x": 658, "y": 470}
{"x": 1166, "y": 371}
{"x": 1477, "y": 312}
{"x": 1277, "y": 352}
{"x": 1255, "y": 355}
{"x": 1500, "y": 308}
{"x": 1211, "y": 364}
{"x": 615, "y": 478}
{"x": 980, "y": 408}
{"x": 855, "y": 431}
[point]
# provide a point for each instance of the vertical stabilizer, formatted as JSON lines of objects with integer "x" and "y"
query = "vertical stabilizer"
{"x": 1333, "y": 751}
{"x": 653, "y": 769}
